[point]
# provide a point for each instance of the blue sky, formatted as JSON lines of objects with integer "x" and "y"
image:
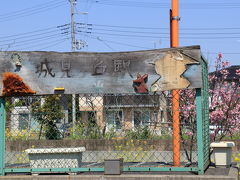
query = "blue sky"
{"x": 121, "y": 25}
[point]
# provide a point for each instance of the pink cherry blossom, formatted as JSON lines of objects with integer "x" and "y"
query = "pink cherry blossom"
{"x": 238, "y": 72}
{"x": 224, "y": 103}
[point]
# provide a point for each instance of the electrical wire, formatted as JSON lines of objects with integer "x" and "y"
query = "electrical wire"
{"x": 54, "y": 32}
{"x": 104, "y": 42}
{"x": 158, "y": 28}
{"x": 32, "y": 32}
{"x": 65, "y": 27}
{"x": 160, "y": 37}
{"x": 31, "y": 12}
{"x": 148, "y": 4}
{"x": 125, "y": 35}
{"x": 30, "y": 8}
{"x": 117, "y": 26}
{"x": 37, "y": 45}
{"x": 145, "y": 32}
{"x": 119, "y": 43}
{"x": 18, "y": 43}
{"x": 45, "y": 40}
{"x": 114, "y": 30}
{"x": 58, "y": 42}
{"x": 34, "y": 35}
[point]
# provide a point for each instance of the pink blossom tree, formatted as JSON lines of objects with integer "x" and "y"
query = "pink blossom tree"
{"x": 224, "y": 107}
{"x": 224, "y": 100}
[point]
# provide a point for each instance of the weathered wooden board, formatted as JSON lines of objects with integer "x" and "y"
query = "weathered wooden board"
{"x": 84, "y": 72}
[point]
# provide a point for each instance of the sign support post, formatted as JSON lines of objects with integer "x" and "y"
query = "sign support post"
{"x": 174, "y": 18}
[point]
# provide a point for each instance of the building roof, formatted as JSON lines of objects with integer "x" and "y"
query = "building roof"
{"x": 232, "y": 72}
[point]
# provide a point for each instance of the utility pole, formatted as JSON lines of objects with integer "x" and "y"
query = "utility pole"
{"x": 174, "y": 42}
{"x": 73, "y": 3}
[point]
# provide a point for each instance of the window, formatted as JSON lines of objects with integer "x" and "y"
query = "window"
{"x": 92, "y": 117}
{"x": 162, "y": 116}
{"x": 141, "y": 118}
{"x": 88, "y": 116}
{"x": 114, "y": 119}
{"x": 25, "y": 101}
{"x": 23, "y": 121}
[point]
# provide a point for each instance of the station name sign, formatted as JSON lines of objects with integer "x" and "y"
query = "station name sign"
{"x": 89, "y": 72}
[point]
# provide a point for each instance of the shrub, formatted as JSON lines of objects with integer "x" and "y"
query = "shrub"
{"x": 139, "y": 133}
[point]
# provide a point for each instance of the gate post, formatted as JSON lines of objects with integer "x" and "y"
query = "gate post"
{"x": 2, "y": 136}
{"x": 199, "y": 116}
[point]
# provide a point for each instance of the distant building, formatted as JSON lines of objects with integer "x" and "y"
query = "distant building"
{"x": 232, "y": 76}
{"x": 123, "y": 111}
{"x": 120, "y": 112}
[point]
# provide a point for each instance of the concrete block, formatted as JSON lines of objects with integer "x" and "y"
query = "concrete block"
{"x": 55, "y": 157}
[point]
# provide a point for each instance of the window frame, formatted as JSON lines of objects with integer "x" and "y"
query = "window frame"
{"x": 141, "y": 123}
{"x": 108, "y": 127}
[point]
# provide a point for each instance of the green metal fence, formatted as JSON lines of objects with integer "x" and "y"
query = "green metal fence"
{"x": 205, "y": 109}
{"x": 76, "y": 133}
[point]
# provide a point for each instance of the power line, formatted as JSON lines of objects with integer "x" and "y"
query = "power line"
{"x": 31, "y": 44}
{"x": 31, "y": 12}
{"x": 51, "y": 34}
{"x": 34, "y": 35}
{"x": 37, "y": 45}
{"x": 117, "y": 26}
{"x": 10, "y": 36}
{"x": 18, "y": 43}
{"x": 35, "y": 31}
{"x": 66, "y": 27}
{"x": 30, "y": 8}
{"x": 144, "y": 32}
{"x": 126, "y": 35}
{"x": 166, "y": 5}
{"x": 60, "y": 42}
{"x": 104, "y": 42}
{"x": 119, "y": 43}
{"x": 114, "y": 30}
{"x": 159, "y": 37}
{"x": 157, "y": 28}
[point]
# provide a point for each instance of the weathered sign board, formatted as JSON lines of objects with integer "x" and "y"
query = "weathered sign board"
{"x": 89, "y": 72}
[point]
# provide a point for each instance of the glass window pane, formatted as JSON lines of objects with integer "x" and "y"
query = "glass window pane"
{"x": 114, "y": 119}
{"x": 137, "y": 118}
{"x": 118, "y": 119}
{"x": 145, "y": 118}
{"x": 110, "y": 119}
{"x": 141, "y": 118}
{"x": 23, "y": 121}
